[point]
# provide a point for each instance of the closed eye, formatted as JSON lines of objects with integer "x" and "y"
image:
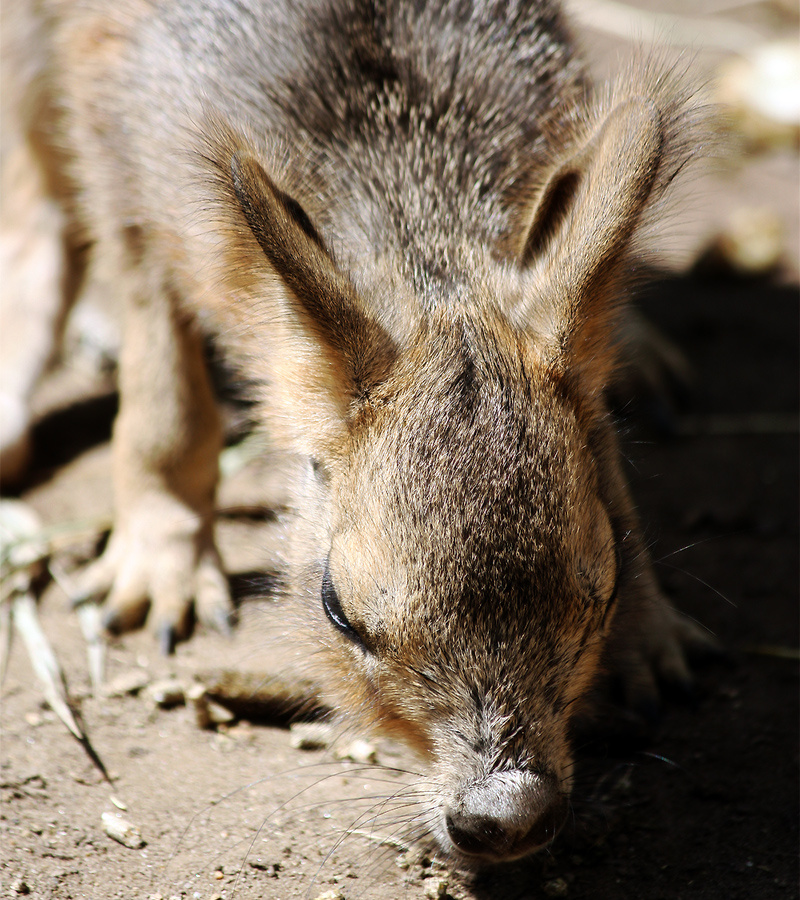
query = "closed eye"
{"x": 335, "y": 613}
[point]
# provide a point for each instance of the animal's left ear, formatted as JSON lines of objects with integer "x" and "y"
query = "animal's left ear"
{"x": 577, "y": 236}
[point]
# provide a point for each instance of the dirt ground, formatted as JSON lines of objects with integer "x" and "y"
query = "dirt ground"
{"x": 709, "y": 809}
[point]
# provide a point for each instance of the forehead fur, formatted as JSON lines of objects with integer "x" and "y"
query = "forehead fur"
{"x": 485, "y": 485}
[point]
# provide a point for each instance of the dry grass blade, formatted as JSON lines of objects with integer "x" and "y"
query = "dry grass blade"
{"x": 90, "y": 620}
{"x": 24, "y": 547}
{"x": 49, "y": 672}
{"x": 21, "y": 550}
{"x": 44, "y": 661}
{"x": 21, "y": 547}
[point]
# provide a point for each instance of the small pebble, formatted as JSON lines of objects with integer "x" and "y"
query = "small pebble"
{"x": 127, "y": 683}
{"x": 167, "y": 693}
{"x": 556, "y": 887}
{"x": 359, "y": 751}
{"x": 219, "y": 714}
{"x": 208, "y": 712}
{"x": 272, "y": 869}
{"x": 196, "y": 695}
{"x": 436, "y": 887}
{"x": 330, "y": 895}
{"x": 122, "y": 831}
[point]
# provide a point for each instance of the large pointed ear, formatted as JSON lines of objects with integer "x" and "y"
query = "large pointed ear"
{"x": 574, "y": 245}
{"x": 325, "y": 351}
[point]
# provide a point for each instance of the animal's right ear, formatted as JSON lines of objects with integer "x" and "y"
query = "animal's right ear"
{"x": 322, "y": 350}
{"x": 578, "y": 234}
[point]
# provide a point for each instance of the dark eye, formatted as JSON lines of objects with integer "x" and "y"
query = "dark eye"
{"x": 333, "y": 609}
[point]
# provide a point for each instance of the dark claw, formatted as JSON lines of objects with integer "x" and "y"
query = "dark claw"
{"x": 111, "y": 622}
{"x": 167, "y": 638}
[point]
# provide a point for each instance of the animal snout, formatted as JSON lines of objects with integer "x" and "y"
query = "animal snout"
{"x": 506, "y": 815}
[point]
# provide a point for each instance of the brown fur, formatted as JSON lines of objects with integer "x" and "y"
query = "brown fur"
{"x": 412, "y": 224}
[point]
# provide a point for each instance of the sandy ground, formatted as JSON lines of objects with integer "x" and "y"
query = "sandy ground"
{"x": 707, "y": 810}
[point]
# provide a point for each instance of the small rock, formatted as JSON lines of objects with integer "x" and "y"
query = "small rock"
{"x": 309, "y": 735}
{"x": 556, "y": 887}
{"x": 122, "y": 831}
{"x": 241, "y": 731}
{"x": 330, "y": 895}
{"x": 436, "y": 887}
{"x": 359, "y": 751}
{"x": 19, "y": 886}
{"x": 418, "y": 856}
{"x": 127, "y": 683}
{"x": 272, "y": 869}
{"x": 167, "y": 693}
{"x": 219, "y": 714}
{"x": 196, "y": 695}
{"x": 208, "y": 712}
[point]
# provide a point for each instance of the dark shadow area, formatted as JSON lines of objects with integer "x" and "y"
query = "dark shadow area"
{"x": 246, "y": 586}
{"x": 65, "y": 434}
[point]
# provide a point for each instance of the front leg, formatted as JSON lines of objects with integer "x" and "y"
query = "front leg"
{"x": 650, "y": 642}
{"x": 161, "y": 561}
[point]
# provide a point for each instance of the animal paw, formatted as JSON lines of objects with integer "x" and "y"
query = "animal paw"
{"x": 650, "y": 649}
{"x": 162, "y": 569}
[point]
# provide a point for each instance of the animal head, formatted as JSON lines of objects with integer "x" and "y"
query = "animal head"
{"x": 457, "y": 543}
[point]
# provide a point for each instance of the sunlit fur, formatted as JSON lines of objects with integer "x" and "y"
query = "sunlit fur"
{"x": 411, "y": 223}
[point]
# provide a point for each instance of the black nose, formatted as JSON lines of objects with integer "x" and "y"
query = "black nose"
{"x": 506, "y": 816}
